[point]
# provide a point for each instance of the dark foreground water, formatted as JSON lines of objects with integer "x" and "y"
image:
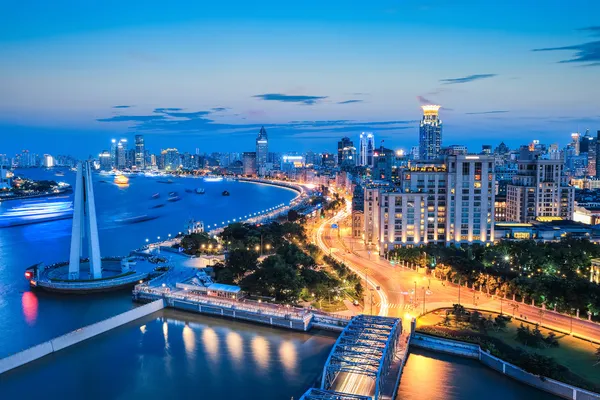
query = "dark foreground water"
{"x": 173, "y": 354}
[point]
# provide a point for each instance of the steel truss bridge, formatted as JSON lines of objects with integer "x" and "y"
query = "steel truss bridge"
{"x": 360, "y": 359}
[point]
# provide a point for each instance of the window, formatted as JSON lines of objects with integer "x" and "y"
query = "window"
{"x": 466, "y": 168}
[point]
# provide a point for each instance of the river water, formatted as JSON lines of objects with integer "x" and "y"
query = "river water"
{"x": 175, "y": 354}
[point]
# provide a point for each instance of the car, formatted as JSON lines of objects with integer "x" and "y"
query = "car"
{"x": 355, "y": 302}
{"x": 378, "y": 287}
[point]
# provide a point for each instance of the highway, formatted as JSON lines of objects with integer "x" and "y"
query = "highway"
{"x": 395, "y": 287}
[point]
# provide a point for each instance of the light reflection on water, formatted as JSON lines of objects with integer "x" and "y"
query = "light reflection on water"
{"x": 261, "y": 351}
{"x": 235, "y": 346}
{"x": 30, "y": 307}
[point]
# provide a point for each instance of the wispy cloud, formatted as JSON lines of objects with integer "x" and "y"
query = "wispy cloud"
{"x": 132, "y": 118}
{"x": 487, "y": 112}
{"x": 219, "y": 109}
{"x": 122, "y": 106}
{"x": 424, "y": 101}
{"x": 350, "y": 101}
{"x": 285, "y": 98}
{"x": 466, "y": 79}
{"x": 588, "y": 53}
{"x": 164, "y": 110}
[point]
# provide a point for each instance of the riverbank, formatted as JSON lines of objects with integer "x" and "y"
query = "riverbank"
{"x": 469, "y": 350}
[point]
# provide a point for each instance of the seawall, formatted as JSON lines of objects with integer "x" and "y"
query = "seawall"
{"x": 77, "y": 336}
{"x": 474, "y": 351}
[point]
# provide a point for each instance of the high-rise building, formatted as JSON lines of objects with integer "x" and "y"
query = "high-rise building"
{"x": 121, "y": 155}
{"x": 140, "y": 151}
{"x": 366, "y": 149}
{"x": 105, "y": 160}
{"x": 349, "y": 157}
{"x": 48, "y": 161}
{"x": 598, "y": 154}
{"x": 113, "y": 153}
{"x": 539, "y": 189}
{"x": 575, "y": 142}
{"x": 430, "y": 133}
{"x": 486, "y": 149}
{"x": 342, "y": 144}
{"x": 328, "y": 160}
{"x": 440, "y": 201}
{"x": 171, "y": 158}
{"x": 262, "y": 151}
{"x": 249, "y": 163}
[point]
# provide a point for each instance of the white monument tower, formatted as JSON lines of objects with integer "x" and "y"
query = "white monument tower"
{"x": 85, "y": 225}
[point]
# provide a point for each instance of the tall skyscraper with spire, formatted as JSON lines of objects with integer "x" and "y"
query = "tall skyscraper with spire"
{"x": 430, "y": 133}
{"x": 140, "y": 161}
{"x": 262, "y": 151}
{"x": 366, "y": 150}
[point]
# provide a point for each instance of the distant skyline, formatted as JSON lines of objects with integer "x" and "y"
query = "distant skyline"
{"x": 209, "y": 75}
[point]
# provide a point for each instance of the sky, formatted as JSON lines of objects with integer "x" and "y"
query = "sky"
{"x": 208, "y": 75}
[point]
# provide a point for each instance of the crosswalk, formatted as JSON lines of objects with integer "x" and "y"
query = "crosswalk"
{"x": 395, "y": 305}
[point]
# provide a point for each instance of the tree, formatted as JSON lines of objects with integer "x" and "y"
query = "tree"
{"x": 293, "y": 215}
{"x": 274, "y": 278}
{"x": 240, "y": 262}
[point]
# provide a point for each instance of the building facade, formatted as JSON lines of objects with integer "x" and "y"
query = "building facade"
{"x": 140, "y": 160}
{"x": 249, "y": 163}
{"x": 539, "y": 189}
{"x": 430, "y": 133}
{"x": 450, "y": 201}
{"x": 366, "y": 149}
{"x": 262, "y": 151}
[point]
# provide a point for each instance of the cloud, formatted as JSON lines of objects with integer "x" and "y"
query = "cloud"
{"x": 350, "y": 101}
{"x": 466, "y": 79}
{"x": 163, "y": 110}
{"x": 132, "y": 118}
{"x": 308, "y": 100}
{"x": 487, "y": 112}
{"x": 582, "y": 53}
{"x": 424, "y": 101}
{"x": 122, "y": 106}
{"x": 219, "y": 109}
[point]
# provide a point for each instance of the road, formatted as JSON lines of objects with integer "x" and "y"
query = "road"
{"x": 395, "y": 287}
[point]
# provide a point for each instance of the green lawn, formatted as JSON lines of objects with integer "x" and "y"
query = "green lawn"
{"x": 576, "y": 354}
{"x": 333, "y": 306}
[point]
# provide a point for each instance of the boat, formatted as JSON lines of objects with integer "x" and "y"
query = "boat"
{"x": 225, "y": 193}
{"x": 174, "y": 198}
{"x": 158, "y": 206}
{"x": 121, "y": 180}
{"x": 135, "y": 220}
{"x": 200, "y": 191}
{"x": 60, "y": 173}
{"x": 155, "y": 196}
{"x": 167, "y": 181}
{"x": 171, "y": 194}
{"x": 36, "y": 212}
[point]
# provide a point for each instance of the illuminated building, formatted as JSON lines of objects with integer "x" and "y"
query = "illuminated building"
{"x": 449, "y": 201}
{"x": 249, "y": 162}
{"x": 140, "y": 160}
{"x": 345, "y": 143}
{"x": 171, "y": 159}
{"x": 48, "y": 161}
{"x": 366, "y": 149}
{"x": 328, "y": 160}
{"x": 262, "y": 151}
{"x": 113, "y": 153}
{"x": 595, "y": 271}
{"x": 105, "y": 161}
{"x": 430, "y": 133}
{"x": 539, "y": 189}
{"x": 500, "y": 208}
{"x": 122, "y": 154}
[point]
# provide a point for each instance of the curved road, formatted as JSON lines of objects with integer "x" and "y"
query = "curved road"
{"x": 395, "y": 287}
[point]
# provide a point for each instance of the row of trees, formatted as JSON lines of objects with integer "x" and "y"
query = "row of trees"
{"x": 556, "y": 274}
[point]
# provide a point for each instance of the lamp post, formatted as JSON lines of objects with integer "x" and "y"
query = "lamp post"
{"x": 571, "y": 321}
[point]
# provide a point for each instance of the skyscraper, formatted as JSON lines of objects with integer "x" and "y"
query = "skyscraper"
{"x": 140, "y": 161}
{"x": 249, "y": 163}
{"x": 262, "y": 151}
{"x": 121, "y": 154}
{"x": 113, "y": 153}
{"x": 430, "y": 133}
{"x": 105, "y": 161}
{"x": 345, "y": 142}
{"x": 367, "y": 147}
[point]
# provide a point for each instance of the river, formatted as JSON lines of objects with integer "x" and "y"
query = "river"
{"x": 175, "y": 354}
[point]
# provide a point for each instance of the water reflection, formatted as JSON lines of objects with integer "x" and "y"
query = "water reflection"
{"x": 289, "y": 356}
{"x": 29, "y": 302}
{"x": 166, "y": 333}
{"x": 211, "y": 343}
{"x": 235, "y": 345}
{"x": 260, "y": 351}
{"x": 143, "y": 328}
{"x": 189, "y": 341}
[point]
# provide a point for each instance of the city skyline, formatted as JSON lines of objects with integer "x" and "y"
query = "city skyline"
{"x": 191, "y": 77}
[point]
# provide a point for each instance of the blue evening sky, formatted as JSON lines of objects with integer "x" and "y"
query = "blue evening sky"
{"x": 199, "y": 74}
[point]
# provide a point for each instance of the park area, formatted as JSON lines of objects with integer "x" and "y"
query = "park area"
{"x": 538, "y": 350}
